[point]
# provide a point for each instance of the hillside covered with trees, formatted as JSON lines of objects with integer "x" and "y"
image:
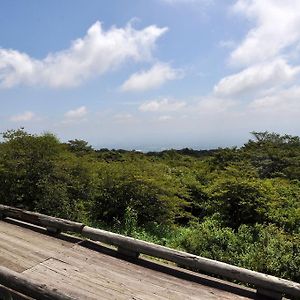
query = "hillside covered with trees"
{"x": 237, "y": 205}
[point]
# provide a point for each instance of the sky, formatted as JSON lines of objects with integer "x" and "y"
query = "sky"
{"x": 150, "y": 74}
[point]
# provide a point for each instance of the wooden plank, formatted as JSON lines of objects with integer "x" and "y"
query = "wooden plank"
{"x": 21, "y": 248}
{"x": 84, "y": 274}
{"x": 22, "y": 284}
{"x": 76, "y": 282}
{"x": 40, "y": 219}
{"x": 195, "y": 262}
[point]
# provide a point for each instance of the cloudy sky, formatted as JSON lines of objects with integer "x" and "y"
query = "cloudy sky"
{"x": 150, "y": 74}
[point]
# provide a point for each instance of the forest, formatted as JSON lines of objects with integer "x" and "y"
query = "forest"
{"x": 239, "y": 205}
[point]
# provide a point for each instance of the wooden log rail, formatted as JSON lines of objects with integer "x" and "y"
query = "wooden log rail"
{"x": 268, "y": 285}
{"x": 51, "y": 223}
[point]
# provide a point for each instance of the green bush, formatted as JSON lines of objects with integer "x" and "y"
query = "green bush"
{"x": 261, "y": 248}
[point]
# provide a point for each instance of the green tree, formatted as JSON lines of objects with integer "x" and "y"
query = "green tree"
{"x": 79, "y": 147}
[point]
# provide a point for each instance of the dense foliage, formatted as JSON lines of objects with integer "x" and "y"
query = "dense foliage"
{"x": 237, "y": 205}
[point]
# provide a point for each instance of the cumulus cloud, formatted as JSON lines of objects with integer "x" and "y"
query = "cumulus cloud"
{"x": 266, "y": 57}
{"x": 156, "y": 76}
{"x": 24, "y": 117}
{"x": 99, "y": 51}
{"x": 164, "y": 105}
{"x": 256, "y": 77}
{"x": 78, "y": 113}
{"x": 267, "y": 70}
{"x": 276, "y": 28}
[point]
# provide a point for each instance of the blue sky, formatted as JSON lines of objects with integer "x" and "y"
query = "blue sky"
{"x": 150, "y": 74}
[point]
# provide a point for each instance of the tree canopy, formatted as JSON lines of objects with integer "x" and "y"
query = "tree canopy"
{"x": 238, "y": 205}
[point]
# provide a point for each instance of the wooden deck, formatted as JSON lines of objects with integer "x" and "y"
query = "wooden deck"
{"x": 86, "y": 270}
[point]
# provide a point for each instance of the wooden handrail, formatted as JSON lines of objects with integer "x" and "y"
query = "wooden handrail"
{"x": 41, "y": 219}
{"x": 195, "y": 262}
{"x": 134, "y": 247}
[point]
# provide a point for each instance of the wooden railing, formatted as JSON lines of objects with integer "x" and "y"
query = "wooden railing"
{"x": 266, "y": 284}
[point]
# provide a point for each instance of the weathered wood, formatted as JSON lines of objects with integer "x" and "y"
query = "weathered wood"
{"x": 40, "y": 219}
{"x": 9, "y": 294}
{"x": 22, "y": 248}
{"x": 128, "y": 253}
{"x": 20, "y": 283}
{"x": 129, "y": 246}
{"x": 269, "y": 294}
{"x": 82, "y": 273}
{"x": 88, "y": 275}
{"x": 195, "y": 262}
{"x": 53, "y": 230}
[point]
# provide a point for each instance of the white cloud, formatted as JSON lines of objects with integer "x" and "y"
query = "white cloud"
{"x": 24, "y": 117}
{"x": 286, "y": 101}
{"x": 276, "y": 28}
{"x": 152, "y": 78}
{"x": 258, "y": 76}
{"x": 97, "y": 52}
{"x": 76, "y": 114}
{"x": 164, "y": 105}
{"x": 266, "y": 56}
{"x": 213, "y": 105}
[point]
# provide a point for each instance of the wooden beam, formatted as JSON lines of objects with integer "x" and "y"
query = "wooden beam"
{"x": 9, "y": 294}
{"x": 40, "y": 219}
{"x": 128, "y": 253}
{"x": 22, "y": 284}
{"x": 268, "y": 294}
{"x": 195, "y": 262}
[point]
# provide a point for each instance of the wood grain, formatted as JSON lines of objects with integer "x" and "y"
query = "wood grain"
{"x": 32, "y": 288}
{"x": 40, "y": 219}
{"x": 82, "y": 273}
{"x": 184, "y": 259}
{"x": 133, "y": 248}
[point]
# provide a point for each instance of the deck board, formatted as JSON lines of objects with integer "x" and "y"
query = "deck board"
{"x": 86, "y": 274}
{"x": 21, "y": 248}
